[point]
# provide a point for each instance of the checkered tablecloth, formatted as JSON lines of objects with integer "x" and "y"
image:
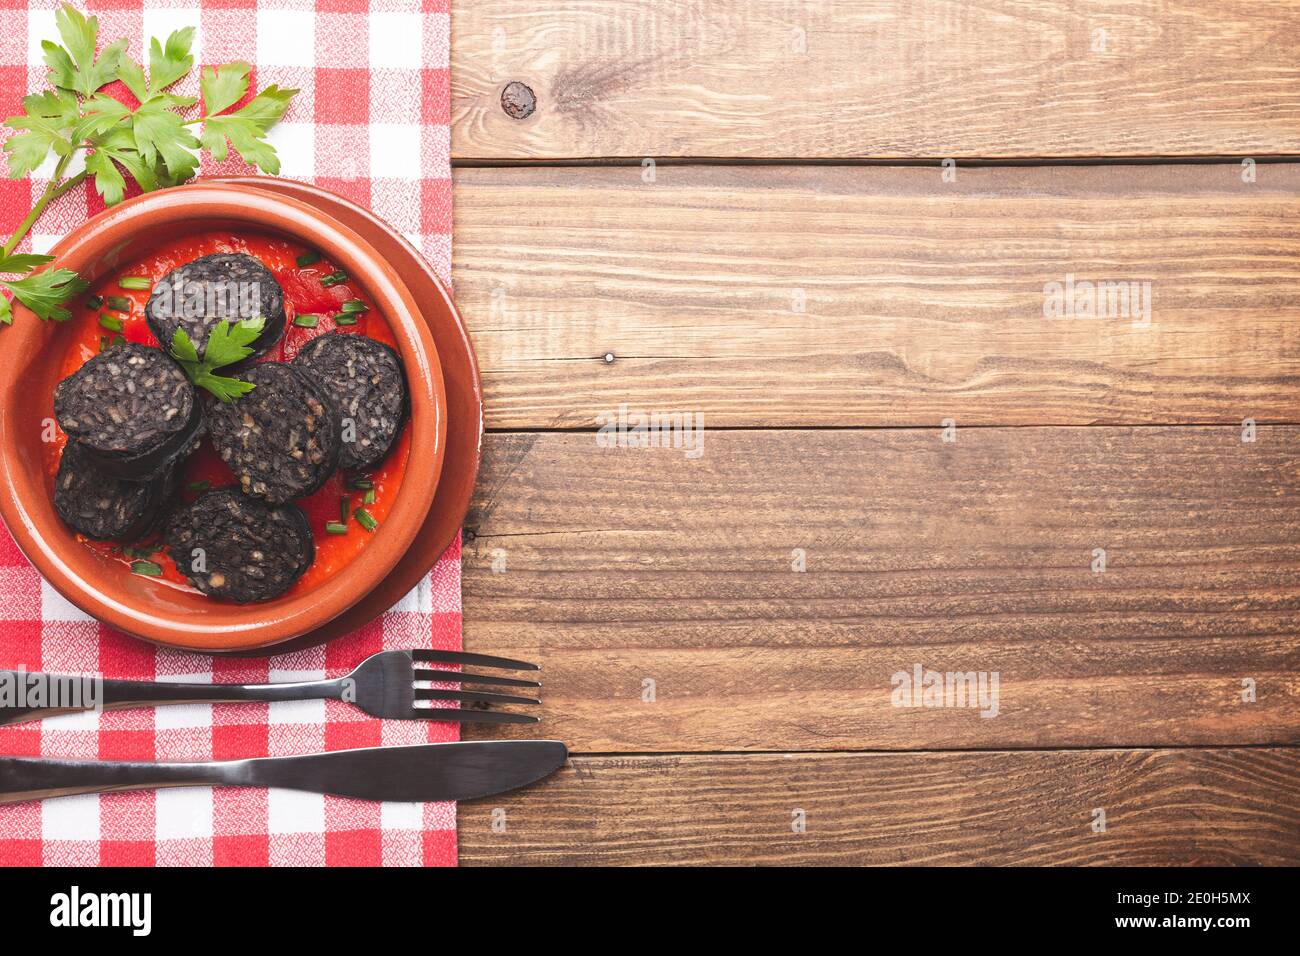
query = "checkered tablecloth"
{"x": 371, "y": 123}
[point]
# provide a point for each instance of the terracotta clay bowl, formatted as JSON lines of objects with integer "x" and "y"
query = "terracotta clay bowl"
{"x": 33, "y": 353}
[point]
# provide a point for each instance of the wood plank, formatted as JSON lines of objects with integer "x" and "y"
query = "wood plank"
{"x": 921, "y": 300}
{"x": 877, "y": 78}
{"x": 617, "y": 565}
{"x": 1162, "y": 808}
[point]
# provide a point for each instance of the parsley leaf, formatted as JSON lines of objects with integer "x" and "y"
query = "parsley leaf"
{"x": 160, "y": 134}
{"x": 223, "y": 86}
{"x": 109, "y": 182}
{"x": 168, "y": 63}
{"x": 183, "y": 349}
{"x": 119, "y": 145}
{"x": 132, "y": 74}
{"x": 73, "y": 66}
{"x": 22, "y": 261}
{"x": 226, "y": 345}
{"x": 246, "y": 129}
{"x": 229, "y": 344}
{"x": 100, "y": 114}
{"x": 44, "y": 293}
{"x": 225, "y": 388}
{"x": 46, "y": 123}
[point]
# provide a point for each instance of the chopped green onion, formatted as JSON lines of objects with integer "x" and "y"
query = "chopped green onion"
{"x": 365, "y": 519}
{"x": 354, "y": 305}
{"x": 361, "y": 483}
{"x": 103, "y": 343}
{"x": 308, "y": 259}
{"x": 369, "y": 497}
{"x": 336, "y": 527}
{"x": 110, "y": 322}
{"x": 133, "y": 282}
{"x": 135, "y": 552}
{"x": 345, "y": 318}
{"x": 334, "y": 278}
{"x": 119, "y": 303}
{"x": 199, "y": 485}
{"x": 149, "y": 568}
{"x": 306, "y": 321}
{"x": 344, "y": 504}
{"x": 94, "y": 302}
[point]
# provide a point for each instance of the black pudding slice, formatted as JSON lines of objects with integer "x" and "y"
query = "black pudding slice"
{"x": 199, "y": 294}
{"x": 236, "y": 547}
{"x": 367, "y": 382}
{"x": 131, "y": 409}
{"x": 281, "y": 439}
{"x": 107, "y": 508}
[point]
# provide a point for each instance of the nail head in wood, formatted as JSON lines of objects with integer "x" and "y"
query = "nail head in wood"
{"x": 518, "y": 100}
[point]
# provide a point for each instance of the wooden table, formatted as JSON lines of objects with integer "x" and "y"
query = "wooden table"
{"x": 832, "y": 228}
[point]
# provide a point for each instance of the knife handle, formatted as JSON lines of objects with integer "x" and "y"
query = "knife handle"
{"x": 35, "y": 778}
{"x": 122, "y": 694}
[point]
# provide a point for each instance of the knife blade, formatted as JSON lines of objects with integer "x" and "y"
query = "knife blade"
{"x": 412, "y": 774}
{"x": 424, "y": 772}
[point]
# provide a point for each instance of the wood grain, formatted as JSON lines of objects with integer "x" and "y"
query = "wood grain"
{"x": 617, "y": 565}
{"x": 1162, "y": 808}
{"x": 877, "y": 78}
{"x": 779, "y": 296}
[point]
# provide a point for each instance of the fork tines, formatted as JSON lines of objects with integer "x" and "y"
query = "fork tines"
{"x": 482, "y": 698}
{"x": 467, "y": 677}
{"x": 481, "y": 660}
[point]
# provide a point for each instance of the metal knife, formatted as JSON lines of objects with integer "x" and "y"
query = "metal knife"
{"x": 453, "y": 771}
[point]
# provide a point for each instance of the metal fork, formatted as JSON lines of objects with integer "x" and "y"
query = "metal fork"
{"x": 384, "y": 685}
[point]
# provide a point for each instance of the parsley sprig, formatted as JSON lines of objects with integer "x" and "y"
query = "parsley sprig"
{"x": 42, "y": 292}
{"x": 226, "y": 345}
{"x": 154, "y": 144}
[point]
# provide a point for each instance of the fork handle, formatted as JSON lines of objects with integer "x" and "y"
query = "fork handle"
{"x": 121, "y": 694}
{"x": 32, "y": 778}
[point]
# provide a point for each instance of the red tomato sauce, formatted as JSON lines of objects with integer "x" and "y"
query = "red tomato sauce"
{"x": 303, "y": 295}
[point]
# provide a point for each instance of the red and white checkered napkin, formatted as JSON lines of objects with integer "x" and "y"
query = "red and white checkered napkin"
{"x": 371, "y": 123}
